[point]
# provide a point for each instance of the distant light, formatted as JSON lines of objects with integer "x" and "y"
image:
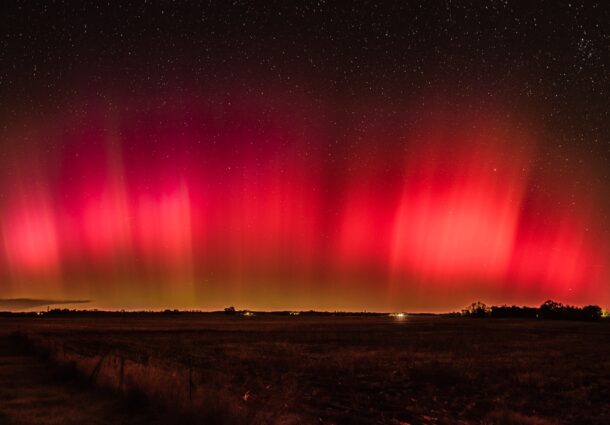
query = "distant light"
{"x": 248, "y": 313}
{"x": 295, "y": 313}
{"x": 398, "y": 315}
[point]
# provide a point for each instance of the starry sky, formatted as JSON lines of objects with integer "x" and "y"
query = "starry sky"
{"x": 293, "y": 155}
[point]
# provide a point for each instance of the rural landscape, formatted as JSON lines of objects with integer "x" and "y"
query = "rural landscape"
{"x": 304, "y": 212}
{"x": 280, "y": 368}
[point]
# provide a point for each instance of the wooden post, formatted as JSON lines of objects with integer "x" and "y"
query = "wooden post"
{"x": 190, "y": 379}
{"x": 122, "y": 373}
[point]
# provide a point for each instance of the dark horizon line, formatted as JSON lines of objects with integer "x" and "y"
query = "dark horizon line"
{"x": 261, "y": 312}
{"x": 20, "y": 304}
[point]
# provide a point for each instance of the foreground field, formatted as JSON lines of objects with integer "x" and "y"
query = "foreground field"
{"x": 33, "y": 393}
{"x": 344, "y": 370}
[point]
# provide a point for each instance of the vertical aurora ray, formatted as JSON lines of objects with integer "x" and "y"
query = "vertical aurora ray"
{"x": 188, "y": 207}
{"x": 459, "y": 211}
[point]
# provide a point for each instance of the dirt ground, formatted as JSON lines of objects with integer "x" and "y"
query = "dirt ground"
{"x": 32, "y": 391}
{"x": 343, "y": 370}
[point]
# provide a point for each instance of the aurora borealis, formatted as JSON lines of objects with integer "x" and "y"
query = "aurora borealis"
{"x": 296, "y": 193}
{"x": 149, "y": 203}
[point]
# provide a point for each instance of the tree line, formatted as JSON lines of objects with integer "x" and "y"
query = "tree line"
{"x": 550, "y": 309}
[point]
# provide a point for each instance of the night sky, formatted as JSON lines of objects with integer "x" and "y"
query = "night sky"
{"x": 287, "y": 155}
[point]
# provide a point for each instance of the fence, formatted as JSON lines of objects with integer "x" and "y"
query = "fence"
{"x": 175, "y": 384}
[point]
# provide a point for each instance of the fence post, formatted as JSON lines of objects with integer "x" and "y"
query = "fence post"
{"x": 97, "y": 368}
{"x": 190, "y": 379}
{"x": 122, "y": 372}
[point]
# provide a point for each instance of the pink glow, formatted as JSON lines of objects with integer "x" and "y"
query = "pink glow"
{"x": 30, "y": 238}
{"x": 106, "y": 225}
{"x": 163, "y": 224}
{"x": 459, "y": 211}
{"x": 260, "y": 204}
{"x": 365, "y": 229}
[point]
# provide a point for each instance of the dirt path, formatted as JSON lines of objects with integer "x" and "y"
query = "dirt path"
{"x": 34, "y": 392}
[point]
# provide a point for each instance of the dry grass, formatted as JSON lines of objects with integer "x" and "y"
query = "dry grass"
{"x": 351, "y": 370}
{"x": 31, "y": 392}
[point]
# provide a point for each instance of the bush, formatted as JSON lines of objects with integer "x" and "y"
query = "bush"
{"x": 506, "y": 311}
{"x": 592, "y": 312}
{"x": 477, "y": 309}
{"x": 552, "y": 310}
{"x": 549, "y": 310}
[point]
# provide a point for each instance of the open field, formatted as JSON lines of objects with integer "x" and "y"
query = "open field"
{"x": 31, "y": 392}
{"x": 341, "y": 370}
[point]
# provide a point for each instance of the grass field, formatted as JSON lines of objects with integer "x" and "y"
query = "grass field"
{"x": 31, "y": 392}
{"x": 343, "y": 370}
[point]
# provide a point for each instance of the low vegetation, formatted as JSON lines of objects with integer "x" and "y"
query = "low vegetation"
{"x": 231, "y": 368}
{"x": 548, "y": 310}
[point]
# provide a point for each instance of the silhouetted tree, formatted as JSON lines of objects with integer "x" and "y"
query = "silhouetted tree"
{"x": 506, "y": 311}
{"x": 552, "y": 310}
{"x": 230, "y": 310}
{"x": 592, "y": 312}
{"x": 478, "y": 309}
